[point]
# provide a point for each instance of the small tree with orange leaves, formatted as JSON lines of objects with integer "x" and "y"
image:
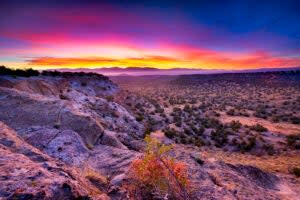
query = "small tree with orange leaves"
{"x": 158, "y": 174}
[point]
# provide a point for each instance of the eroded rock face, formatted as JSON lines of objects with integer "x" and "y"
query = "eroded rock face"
{"x": 27, "y": 173}
{"x": 22, "y": 110}
{"x": 110, "y": 159}
{"x": 77, "y": 106}
{"x": 73, "y": 123}
{"x": 64, "y": 145}
{"x": 257, "y": 176}
{"x": 54, "y": 86}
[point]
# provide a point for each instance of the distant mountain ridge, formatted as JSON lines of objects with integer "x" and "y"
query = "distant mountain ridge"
{"x": 140, "y": 71}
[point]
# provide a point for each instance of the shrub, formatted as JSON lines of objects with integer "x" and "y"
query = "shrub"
{"x": 199, "y": 131}
{"x": 199, "y": 142}
{"x": 175, "y": 109}
{"x": 235, "y": 125}
{"x": 18, "y": 72}
{"x": 139, "y": 118}
{"x": 258, "y": 128}
{"x": 261, "y": 113}
{"x": 177, "y": 120}
{"x": 94, "y": 177}
{"x": 291, "y": 140}
{"x": 63, "y": 97}
{"x": 275, "y": 119}
{"x": 295, "y": 120}
{"x": 214, "y": 123}
{"x": 269, "y": 148}
{"x": 183, "y": 140}
{"x": 187, "y": 108}
{"x": 157, "y": 173}
{"x": 187, "y": 131}
{"x": 230, "y": 112}
{"x": 220, "y": 137}
{"x": 56, "y": 73}
{"x": 296, "y": 171}
{"x": 110, "y": 98}
{"x": 248, "y": 146}
{"x": 147, "y": 131}
{"x": 170, "y": 133}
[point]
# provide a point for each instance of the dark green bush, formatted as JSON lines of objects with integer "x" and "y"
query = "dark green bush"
{"x": 170, "y": 133}
{"x": 220, "y": 137}
{"x": 147, "y": 131}
{"x": 248, "y": 146}
{"x": 139, "y": 118}
{"x": 291, "y": 140}
{"x": 199, "y": 142}
{"x": 296, "y": 171}
{"x": 235, "y": 125}
{"x": 269, "y": 148}
{"x": 18, "y": 72}
{"x": 258, "y": 128}
{"x": 295, "y": 120}
{"x": 230, "y": 112}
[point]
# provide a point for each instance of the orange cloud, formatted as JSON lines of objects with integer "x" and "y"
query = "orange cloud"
{"x": 94, "y": 62}
{"x": 188, "y": 59}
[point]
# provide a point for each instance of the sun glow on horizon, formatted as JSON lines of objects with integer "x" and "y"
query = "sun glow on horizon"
{"x": 125, "y": 57}
{"x": 113, "y": 35}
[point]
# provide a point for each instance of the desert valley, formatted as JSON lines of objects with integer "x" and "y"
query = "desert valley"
{"x": 77, "y": 135}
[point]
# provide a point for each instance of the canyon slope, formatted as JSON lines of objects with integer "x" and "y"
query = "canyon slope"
{"x": 69, "y": 136}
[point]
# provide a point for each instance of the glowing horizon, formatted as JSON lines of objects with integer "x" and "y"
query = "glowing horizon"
{"x": 47, "y": 36}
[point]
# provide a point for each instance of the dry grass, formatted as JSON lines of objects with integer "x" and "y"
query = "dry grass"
{"x": 281, "y": 127}
{"x": 282, "y": 163}
{"x": 90, "y": 173}
{"x": 96, "y": 179}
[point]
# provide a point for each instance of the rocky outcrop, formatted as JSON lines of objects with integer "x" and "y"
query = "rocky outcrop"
{"x": 218, "y": 180}
{"x": 256, "y": 176}
{"x": 73, "y": 121}
{"x": 111, "y": 158}
{"x": 22, "y": 110}
{"x": 27, "y": 173}
{"x": 64, "y": 145}
{"x": 99, "y": 86}
{"x": 68, "y": 104}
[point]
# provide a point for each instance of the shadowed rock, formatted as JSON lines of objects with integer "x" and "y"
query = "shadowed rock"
{"x": 23, "y": 175}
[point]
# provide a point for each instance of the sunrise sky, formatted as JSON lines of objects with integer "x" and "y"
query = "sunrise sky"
{"x": 222, "y": 34}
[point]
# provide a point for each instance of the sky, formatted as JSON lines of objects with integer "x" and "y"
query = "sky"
{"x": 214, "y": 34}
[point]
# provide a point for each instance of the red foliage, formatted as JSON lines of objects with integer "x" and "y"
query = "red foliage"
{"x": 157, "y": 173}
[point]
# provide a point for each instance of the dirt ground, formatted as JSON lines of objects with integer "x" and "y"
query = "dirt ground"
{"x": 280, "y": 127}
